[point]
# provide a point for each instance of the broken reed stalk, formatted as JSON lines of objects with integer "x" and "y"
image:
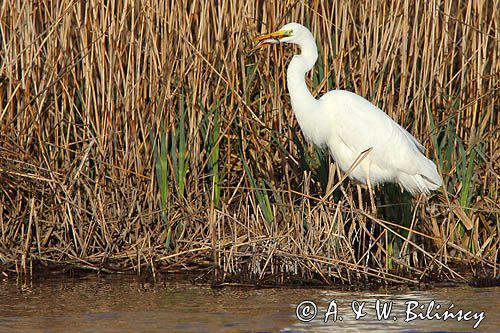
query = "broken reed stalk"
{"x": 89, "y": 89}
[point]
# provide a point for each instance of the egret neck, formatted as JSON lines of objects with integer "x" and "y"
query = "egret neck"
{"x": 304, "y": 104}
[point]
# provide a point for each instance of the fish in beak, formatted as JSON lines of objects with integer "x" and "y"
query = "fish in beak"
{"x": 267, "y": 39}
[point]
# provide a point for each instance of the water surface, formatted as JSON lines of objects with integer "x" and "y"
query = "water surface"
{"x": 122, "y": 304}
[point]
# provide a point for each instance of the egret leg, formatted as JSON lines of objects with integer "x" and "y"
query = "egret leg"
{"x": 372, "y": 196}
{"x": 374, "y": 213}
{"x": 362, "y": 218}
{"x": 360, "y": 196}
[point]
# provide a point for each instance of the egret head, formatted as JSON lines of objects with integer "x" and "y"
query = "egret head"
{"x": 289, "y": 33}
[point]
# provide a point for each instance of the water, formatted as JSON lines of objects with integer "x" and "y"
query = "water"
{"x": 121, "y": 304}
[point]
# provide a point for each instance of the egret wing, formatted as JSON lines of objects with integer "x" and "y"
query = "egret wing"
{"x": 361, "y": 125}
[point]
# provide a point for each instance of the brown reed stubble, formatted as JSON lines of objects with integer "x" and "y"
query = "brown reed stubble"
{"x": 83, "y": 83}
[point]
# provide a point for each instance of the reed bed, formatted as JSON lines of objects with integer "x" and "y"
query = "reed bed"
{"x": 139, "y": 134}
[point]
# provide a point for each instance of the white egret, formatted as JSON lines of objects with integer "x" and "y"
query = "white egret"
{"x": 349, "y": 125}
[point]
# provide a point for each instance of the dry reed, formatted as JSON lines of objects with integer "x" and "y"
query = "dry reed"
{"x": 95, "y": 94}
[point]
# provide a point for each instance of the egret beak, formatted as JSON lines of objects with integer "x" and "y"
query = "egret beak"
{"x": 267, "y": 39}
{"x": 277, "y": 35}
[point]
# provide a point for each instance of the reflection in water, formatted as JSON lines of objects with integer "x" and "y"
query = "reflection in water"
{"x": 121, "y": 304}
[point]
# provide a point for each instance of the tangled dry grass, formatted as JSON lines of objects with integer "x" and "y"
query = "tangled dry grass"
{"x": 139, "y": 134}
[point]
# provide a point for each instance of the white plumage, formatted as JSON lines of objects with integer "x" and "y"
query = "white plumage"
{"x": 348, "y": 125}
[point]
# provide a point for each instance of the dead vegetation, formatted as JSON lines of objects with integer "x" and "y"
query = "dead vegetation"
{"x": 139, "y": 134}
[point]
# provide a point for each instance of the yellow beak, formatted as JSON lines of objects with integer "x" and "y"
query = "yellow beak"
{"x": 267, "y": 39}
{"x": 277, "y": 35}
